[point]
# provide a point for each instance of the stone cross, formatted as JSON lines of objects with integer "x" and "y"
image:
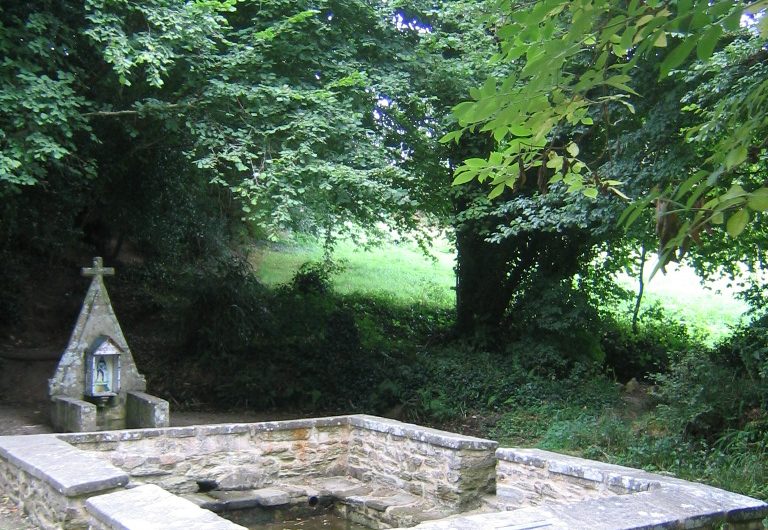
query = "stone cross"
{"x": 98, "y": 269}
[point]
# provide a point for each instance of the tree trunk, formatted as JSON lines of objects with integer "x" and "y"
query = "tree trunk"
{"x": 483, "y": 289}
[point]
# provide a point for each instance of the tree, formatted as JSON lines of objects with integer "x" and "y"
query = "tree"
{"x": 576, "y": 60}
{"x": 271, "y": 101}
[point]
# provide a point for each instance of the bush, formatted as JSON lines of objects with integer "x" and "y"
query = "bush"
{"x": 553, "y": 327}
{"x": 747, "y": 349}
{"x": 638, "y": 354}
{"x": 702, "y": 396}
{"x": 315, "y": 277}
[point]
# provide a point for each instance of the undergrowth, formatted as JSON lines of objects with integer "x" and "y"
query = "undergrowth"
{"x": 657, "y": 398}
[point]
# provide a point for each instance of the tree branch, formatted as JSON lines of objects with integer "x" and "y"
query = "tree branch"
{"x": 119, "y": 113}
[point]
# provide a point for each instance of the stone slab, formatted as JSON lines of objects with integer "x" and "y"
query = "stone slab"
{"x": 69, "y": 414}
{"x": 203, "y": 501}
{"x": 239, "y": 500}
{"x": 524, "y": 520}
{"x": 341, "y": 487}
{"x": 150, "y": 507}
{"x": 67, "y": 469}
{"x": 662, "y": 509}
{"x": 380, "y": 504}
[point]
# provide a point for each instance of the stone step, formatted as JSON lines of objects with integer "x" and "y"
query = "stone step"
{"x": 381, "y": 500}
{"x": 241, "y": 499}
{"x": 339, "y": 487}
{"x": 498, "y": 503}
{"x": 148, "y": 507}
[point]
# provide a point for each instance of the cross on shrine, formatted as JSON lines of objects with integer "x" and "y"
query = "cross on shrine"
{"x": 98, "y": 269}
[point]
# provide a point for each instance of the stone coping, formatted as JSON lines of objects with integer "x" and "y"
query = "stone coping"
{"x": 613, "y": 476}
{"x": 437, "y": 437}
{"x": 373, "y": 423}
{"x": 655, "y": 502}
{"x": 662, "y": 509}
{"x": 150, "y": 507}
{"x": 67, "y": 469}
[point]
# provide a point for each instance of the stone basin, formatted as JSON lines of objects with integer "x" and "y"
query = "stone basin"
{"x": 381, "y": 472}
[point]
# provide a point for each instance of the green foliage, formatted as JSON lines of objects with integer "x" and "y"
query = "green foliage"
{"x": 576, "y": 66}
{"x": 315, "y": 277}
{"x": 394, "y": 271}
{"x": 748, "y": 346}
{"x": 648, "y": 350}
{"x": 42, "y": 105}
{"x": 703, "y": 395}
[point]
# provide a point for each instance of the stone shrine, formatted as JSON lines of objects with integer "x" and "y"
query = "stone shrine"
{"x": 96, "y": 385}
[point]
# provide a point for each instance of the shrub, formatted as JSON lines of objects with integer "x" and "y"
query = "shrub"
{"x": 702, "y": 395}
{"x": 315, "y": 276}
{"x": 638, "y": 354}
{"x": 747, "y": 349}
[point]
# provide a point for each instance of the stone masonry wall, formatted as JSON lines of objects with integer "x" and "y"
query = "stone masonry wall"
{"x": 47, "y": 508}
{"x": 447, "y": 469}
{"x": 234, "y": 456}
{"x": 51, "y": 480}
{"x": 530, "y": 477}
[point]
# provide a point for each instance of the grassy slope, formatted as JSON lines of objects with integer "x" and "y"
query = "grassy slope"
{"x": 401, "y": 273}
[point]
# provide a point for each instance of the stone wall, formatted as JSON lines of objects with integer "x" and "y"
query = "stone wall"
{"x": 447, "y": 469}
{"x": 51, "y": 480}
{"x": 531, "y": 477}
{"x": 46, "y": 507}
{"x": 233, "y": 456}
{"x": 382, "y": 471}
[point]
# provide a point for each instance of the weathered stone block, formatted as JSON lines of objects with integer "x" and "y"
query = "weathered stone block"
{"x": 143, "y": 411}
{"x": 70, "y": 414}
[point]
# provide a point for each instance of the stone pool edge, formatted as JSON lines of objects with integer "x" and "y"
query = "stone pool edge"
{"x": 71, "y": 491}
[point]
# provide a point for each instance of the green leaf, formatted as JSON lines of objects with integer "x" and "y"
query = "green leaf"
{"x": 733, "y": 192}
{"x": 475, "y": 162}
{"x": 676, "y": 57}
{"x": 451, "y": 136}
{"x": 572, "y": 149}
{"x": 708, "y": 41}
{"x": 496, "y": 191}
{"x": 758, "y": 200}
{"x": 735, "y": 156}
{"x": 489, "y": 88}
{"x": 519, "y": 130}
{"x": 737, "y": 223}
{"x": 590, "y": 192}
{"x": 689, "y": 183}
{"x": 463, "y": 178}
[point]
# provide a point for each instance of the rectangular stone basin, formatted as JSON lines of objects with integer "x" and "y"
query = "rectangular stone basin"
{"x": 380, "y": 472}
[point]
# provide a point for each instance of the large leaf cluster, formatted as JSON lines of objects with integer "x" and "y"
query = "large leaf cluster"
{"x": 41, "y": 95}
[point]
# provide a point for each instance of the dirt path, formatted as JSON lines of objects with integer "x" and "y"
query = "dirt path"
{"x": 32, "y": 418}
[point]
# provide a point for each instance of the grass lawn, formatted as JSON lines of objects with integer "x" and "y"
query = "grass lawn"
{"x": 711, "y": 309}
{"x": 397, "y": 271}
{"x": 402, "y": 273}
